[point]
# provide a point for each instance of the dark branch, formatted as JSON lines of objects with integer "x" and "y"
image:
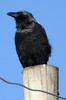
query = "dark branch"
{"x": 32, "y": 89}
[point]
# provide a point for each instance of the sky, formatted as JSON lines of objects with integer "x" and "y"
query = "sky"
{"x": 51, "y": 14}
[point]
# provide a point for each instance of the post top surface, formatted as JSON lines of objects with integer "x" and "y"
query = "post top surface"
{"x": 41, "y": 66}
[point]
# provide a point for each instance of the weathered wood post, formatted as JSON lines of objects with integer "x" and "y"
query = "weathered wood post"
{"x": 43, "y": 77}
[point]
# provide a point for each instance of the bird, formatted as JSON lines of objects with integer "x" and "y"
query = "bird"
{"x": 31, "y": 41}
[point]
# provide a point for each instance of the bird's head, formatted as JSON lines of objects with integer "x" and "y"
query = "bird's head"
{"x": 22, "y": 16}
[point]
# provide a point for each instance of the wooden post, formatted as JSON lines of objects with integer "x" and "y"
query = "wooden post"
{"x": 43, "y": 77}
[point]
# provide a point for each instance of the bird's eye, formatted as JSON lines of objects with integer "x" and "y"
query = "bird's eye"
{"x": 19, "y": 13}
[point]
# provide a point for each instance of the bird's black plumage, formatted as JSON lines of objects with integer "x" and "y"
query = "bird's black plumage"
{"x": 31, "y": 41}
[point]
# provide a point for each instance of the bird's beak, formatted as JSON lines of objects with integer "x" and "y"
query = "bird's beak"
{"x": 13, "y": 14}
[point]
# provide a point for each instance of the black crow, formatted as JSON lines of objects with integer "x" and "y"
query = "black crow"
{"x": 31, "y": 41}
